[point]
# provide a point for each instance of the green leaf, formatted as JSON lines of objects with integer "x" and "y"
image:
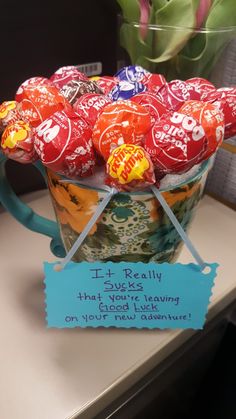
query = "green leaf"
{"x": 158, "y": 4}
{"x": 130, "y": 40}
{"x": 212, "y": 43}
{"x": 130, "y": 10}
{"x": 168, "y": 42}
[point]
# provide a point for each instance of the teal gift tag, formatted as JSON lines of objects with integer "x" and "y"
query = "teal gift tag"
{"x": 125, "y": 295}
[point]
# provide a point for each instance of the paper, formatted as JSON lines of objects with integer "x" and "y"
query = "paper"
{"x": 125, "y": 295}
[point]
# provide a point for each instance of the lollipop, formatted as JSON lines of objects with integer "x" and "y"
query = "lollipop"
{"x": 105, "y": 83}
{"x": 153, "y": 82}
{"x": 176, "y": 92}
{"x": 63, "y": 144}
{"x": 225, "y": 100}
{"x": 201, "y": 86}
{"x": 152, "y": 104}
{"x": 175, "y": 143}
{"x": 212, "y": 120}
{"x": 129, "y": 167}
{"x": 39, "y": 102}
{"x": 17, "y": 142}
{"x": 32, "y": 82}
{"x": 119, "y": 123}
{"x": 132, "y": 73}
{"x": 65, "y": 74}
{"x": 125, "y": 90}
{"x": 74, "y": 89}
{"x": 90, "y": 105}
{"x": 9, "y": 113}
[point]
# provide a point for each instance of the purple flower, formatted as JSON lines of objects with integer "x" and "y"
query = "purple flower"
{"x": 144, "y": 18}
{"x": 202, "y": 12}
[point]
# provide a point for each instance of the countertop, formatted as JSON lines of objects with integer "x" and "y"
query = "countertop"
{"x": 62, "y": 374}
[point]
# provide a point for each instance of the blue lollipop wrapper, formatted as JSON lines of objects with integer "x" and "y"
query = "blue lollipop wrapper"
{"x": 125, "y": 90}
{"x": 132, "y": 73}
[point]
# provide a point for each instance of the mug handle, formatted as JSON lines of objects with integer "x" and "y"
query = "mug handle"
{"x": 25, "y": 215}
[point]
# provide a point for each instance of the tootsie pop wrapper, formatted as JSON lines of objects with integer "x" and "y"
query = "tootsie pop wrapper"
{"x": 129, "y": 167}
{"x": 120, "y": 122}
{"x": 175, "y": 143}
{"x": 105, "y": 83}
{"x": 65, "y": 74}
{"x": 17, "y": 142}
{"x": 225, "y": 100}
{"x": 153, "y": 82}
{"x": 90, "y": 105}
{"x": 212, "y": 120}
{"x": 125, "y": 90}
{"x": 9, "y": 113}
{"x": 74, "y": 89}
{"x": 176, "y": 92}
{"x": 152, "y": 104}
{"x": 32, "y": 82}
{"x": 202, "y": 86}
{"x": 63, "y": 144}
{"x": 132, "y": 73}
{"x": 40, "y": 102}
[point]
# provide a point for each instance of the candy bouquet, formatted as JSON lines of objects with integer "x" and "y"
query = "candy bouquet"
{"x": 127, "y": 132}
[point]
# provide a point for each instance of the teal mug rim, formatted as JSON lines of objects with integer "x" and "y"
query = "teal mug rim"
{"x": 202, "y": 169}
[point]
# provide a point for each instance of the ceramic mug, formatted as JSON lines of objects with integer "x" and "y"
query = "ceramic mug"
{"x": 132, "y": 228}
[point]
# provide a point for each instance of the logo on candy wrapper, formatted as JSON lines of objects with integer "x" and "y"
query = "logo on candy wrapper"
{"x": 123, "y": 162}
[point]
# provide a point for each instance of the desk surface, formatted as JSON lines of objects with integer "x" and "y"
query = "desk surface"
{"x": 59, "y": 374}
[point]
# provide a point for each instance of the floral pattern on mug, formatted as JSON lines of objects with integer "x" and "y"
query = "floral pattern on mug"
{"x": 133, "y": 227}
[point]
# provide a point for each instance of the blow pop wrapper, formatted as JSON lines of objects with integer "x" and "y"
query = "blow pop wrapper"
{"x": 63, "y": 143}
{"x": 9, "y": 113}
{"x": 129, "y": 168}
{"x": 212, "y": 120}
{"x": 17, "y": 142}
{"x": 120, "y": 122}
{"x": 175, "y": 143}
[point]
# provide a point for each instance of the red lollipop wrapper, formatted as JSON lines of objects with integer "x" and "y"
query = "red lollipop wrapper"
{"x": 90, "y": 105}
{"x": 175, "y": 143}
{"x": 65, "y": 74}
{"x": 63, "y": 144}
{"x": 153, "y": 82}
{"x": 202, "y": 86}
{"x": 9, "y": 113}
{"x": 17, "y": 142}
{"x": 40, "y": 102}
{"x": 32, "y": 82}
{"x": 120, "y": 122}
{"x": 152, "y": 104}
{"x": 176, "y": 92}
{"x": 129, "y": 167}
{"x": 225, "y": 100}
{"x": 212, "y": 120}
{"x": 105, "y": 83}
